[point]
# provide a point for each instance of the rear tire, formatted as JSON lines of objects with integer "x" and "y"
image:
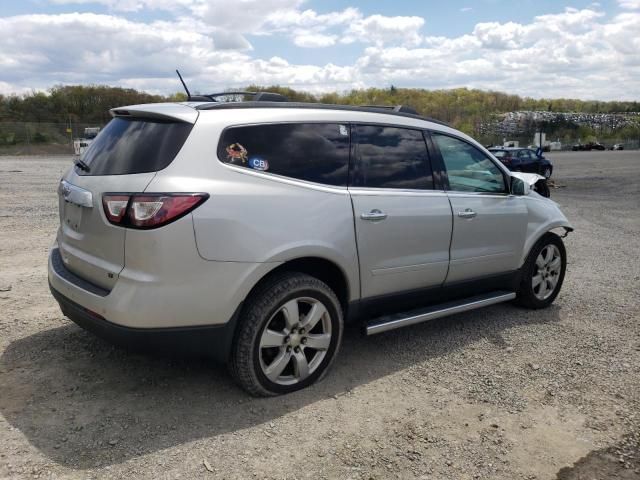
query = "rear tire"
{"x": 288, "y": 335}
{"x": 542, "y": 273}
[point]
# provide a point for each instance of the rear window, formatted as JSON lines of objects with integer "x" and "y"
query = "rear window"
{"x": 315, "y": 152}
{"x": 128, "y": 146}
{"x": 500, "y": 153}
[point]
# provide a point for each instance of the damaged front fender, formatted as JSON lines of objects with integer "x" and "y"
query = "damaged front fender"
{"x": 529, "y": 178}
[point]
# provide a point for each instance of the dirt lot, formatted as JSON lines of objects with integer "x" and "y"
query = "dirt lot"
{"x": 497, "y": 393}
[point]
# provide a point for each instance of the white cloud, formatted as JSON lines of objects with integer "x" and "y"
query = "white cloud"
{"x": 132, "y": 5}
{"x": 380, "y": 30}
{"x": 575, "y": 53}
{"x": 232, "y": 21}
{"x": 629, "y": 4}
{"x": 348, "y": 25}
{"x": 241, "y": 16}
{"x": 294, "y": 18}
{"x": 88, "y": 47}
{"x": 571, "y": 54}
{"x": 500, "y": 36}
{"x": 314, "y": 40}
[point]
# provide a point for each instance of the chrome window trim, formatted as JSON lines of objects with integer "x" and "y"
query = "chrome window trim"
{"x": 288, "y": 180}
{"x": 459, "y": 193}
{"x": 376, "y": 191}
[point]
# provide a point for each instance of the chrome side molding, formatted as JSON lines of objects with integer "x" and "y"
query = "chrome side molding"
{"x": 392, "y": 322}
{"x": 76, "y": 195}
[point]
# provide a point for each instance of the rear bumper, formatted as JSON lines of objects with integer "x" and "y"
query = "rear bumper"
{"x": 183, "y": 290}
{"x": 203, "y": 341}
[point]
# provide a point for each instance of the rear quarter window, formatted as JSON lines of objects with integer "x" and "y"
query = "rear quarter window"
{"x": 315, "y": 152}
{"x": 128, "y": 146}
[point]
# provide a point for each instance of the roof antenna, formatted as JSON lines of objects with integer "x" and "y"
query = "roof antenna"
{"x": 184, "y": 85}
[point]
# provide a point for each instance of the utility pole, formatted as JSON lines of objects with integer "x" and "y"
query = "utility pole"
{"x": 70, "y": 132}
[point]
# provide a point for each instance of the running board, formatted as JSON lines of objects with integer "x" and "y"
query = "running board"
{"x": 390, "y": 322}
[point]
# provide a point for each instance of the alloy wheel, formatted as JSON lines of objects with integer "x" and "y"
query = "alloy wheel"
{"x": 295, "y": 341}
{"x": 546, "y": 272}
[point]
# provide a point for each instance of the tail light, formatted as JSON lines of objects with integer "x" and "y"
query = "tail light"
{"x": 149, "y": 210}
{"x": 506, "y": 159}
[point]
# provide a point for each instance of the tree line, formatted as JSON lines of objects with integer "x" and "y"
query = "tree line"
{"x": 463, "y": 108}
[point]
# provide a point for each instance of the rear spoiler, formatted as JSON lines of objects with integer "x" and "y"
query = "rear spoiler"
{"x": 160, "y": 111}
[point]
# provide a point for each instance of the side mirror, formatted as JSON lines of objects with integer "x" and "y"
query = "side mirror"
{"x": 519, "y": 187}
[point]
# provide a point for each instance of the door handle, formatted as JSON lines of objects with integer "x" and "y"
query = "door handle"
{"x": 468, "y": 213}
{"x": 373, "y": 215}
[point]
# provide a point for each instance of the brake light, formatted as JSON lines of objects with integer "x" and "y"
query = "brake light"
{"x": 506, "y": 159}
{"x": 115, "y": 206}
{"x": 149, "y": 210}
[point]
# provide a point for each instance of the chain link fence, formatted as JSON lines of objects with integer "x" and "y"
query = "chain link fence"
{"x": 41, "y": 138}
{"x": 33, "y": 138}
{"x": 564, "y": 143}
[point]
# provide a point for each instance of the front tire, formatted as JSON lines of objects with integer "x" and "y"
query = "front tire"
{"x": 289, "y": 334}
{"x": 543, "y": 273}
{"x": 542, "y": 188}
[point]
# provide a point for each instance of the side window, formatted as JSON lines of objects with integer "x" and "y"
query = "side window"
{"x": 390, "y": 157}
{"x": 468, "y": 169}
{"x": 316, "y": 152}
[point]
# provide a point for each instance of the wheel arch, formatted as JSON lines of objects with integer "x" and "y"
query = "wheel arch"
{"x": 556, "y": 228}
{"x": 319, "y": 267}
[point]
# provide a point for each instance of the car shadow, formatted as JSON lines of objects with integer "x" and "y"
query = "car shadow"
{"x": 84, "y": 403}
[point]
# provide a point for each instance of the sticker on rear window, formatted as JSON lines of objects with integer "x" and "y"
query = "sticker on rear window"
{"x": 344, "y": 131}
{"x": 259, "y": 164}
{"x": 235, "y": 151}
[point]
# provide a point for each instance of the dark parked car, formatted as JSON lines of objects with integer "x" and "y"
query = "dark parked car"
{"x": 588, "y": 147}
{"x": 617, "y": 146}
{"x": 523, "y": 160}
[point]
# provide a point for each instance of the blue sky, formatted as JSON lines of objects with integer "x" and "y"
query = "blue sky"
{"x": 537, "y": 48}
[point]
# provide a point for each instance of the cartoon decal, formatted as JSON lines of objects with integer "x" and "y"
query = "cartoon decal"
{"x": 235, "y": 151}
{"x": 258, "y": 164}
{"x": 344, "y": 131}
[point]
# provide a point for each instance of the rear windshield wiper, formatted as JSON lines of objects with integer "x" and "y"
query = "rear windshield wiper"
{"x": 82, "y": 166}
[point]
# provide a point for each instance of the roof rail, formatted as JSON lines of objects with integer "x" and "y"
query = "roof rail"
{"x": 255, "y": 96}
{"x": 318, "y": 106}
{"x": 394, "y": 108}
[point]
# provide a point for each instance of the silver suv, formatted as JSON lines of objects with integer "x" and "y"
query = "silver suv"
{"x": 253, "y": 231}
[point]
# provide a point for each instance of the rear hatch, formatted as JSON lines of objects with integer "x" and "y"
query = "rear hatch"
{"x": 123, "y": 158}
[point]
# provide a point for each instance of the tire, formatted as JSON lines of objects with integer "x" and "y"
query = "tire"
{"x": 542, "y": 188}
{"x": 255, "y": 360}
{"x": 532, "y": 296}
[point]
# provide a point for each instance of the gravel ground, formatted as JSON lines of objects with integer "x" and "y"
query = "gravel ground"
{"x": 497, "y": 393}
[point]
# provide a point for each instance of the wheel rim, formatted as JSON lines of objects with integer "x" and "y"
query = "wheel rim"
{"x": 547, "y": 173}
{"x": 295, "y": 341}
{"x": 546, "y": 272}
